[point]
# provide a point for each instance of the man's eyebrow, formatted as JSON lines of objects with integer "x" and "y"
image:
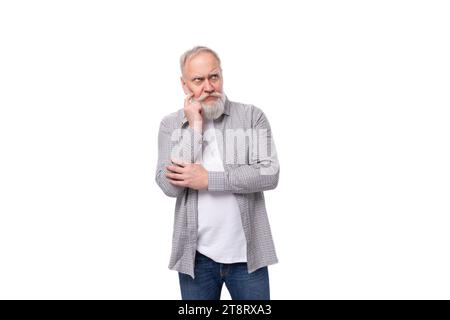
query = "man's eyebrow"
{"x": 214, "y": 73}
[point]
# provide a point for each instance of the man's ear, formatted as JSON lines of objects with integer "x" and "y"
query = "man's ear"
{"x": 185, "y": 87}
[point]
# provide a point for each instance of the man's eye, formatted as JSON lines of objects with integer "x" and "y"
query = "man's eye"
{"x": 197, "y": 80}
{"x": 214, "y": 77}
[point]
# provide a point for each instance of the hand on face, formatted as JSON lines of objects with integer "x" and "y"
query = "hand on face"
{"x": 193, "y": 112}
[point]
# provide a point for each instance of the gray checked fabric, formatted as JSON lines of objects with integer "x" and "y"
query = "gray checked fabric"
{"x": 251, "y": 167}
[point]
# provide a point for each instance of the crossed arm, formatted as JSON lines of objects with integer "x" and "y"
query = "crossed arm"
{"x": 175, "y": 175}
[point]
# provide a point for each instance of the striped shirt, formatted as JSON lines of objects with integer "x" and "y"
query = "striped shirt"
{"x": 250, "y": 165}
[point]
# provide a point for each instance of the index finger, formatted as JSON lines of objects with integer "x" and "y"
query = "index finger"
{"x": 176, "y": 169}
{"x": 189, "y": 96}
{"x": 178, "y": 162}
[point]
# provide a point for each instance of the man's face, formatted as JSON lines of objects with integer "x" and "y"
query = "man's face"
{"x": 202, "y": 76}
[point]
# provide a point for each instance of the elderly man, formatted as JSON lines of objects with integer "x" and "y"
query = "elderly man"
{"x": 217, "y": 157}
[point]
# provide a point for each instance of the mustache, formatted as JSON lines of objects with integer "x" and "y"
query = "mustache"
{"x": 204, "y": 96}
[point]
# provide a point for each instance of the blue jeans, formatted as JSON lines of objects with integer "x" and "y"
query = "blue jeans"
{"x": 210, "y": 276}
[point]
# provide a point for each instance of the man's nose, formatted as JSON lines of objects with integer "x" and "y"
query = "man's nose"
{"x": 208, "y": 88}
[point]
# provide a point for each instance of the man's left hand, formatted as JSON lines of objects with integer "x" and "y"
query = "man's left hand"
{"x": 189, "y": 175}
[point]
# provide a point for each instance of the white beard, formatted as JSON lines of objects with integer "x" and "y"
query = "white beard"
{"x": 214, "y": 110}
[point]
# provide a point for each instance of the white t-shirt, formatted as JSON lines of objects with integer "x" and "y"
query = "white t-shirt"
{"x": 220, "y": 233}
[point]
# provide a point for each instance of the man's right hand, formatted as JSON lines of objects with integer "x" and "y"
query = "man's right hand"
{"x": 193, "y": 112}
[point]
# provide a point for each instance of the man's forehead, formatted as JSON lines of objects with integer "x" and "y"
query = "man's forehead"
{"x": 202, "y": 63}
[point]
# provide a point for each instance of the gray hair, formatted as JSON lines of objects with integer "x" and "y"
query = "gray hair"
{"x": 193, "y": 52}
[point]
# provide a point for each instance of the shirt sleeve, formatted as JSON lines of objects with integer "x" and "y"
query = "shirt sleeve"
{"x": 175, "y": 143}
{"x": 262, "y": 172}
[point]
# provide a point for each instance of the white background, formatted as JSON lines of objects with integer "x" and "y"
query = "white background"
{"x": 357, "y": 94}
